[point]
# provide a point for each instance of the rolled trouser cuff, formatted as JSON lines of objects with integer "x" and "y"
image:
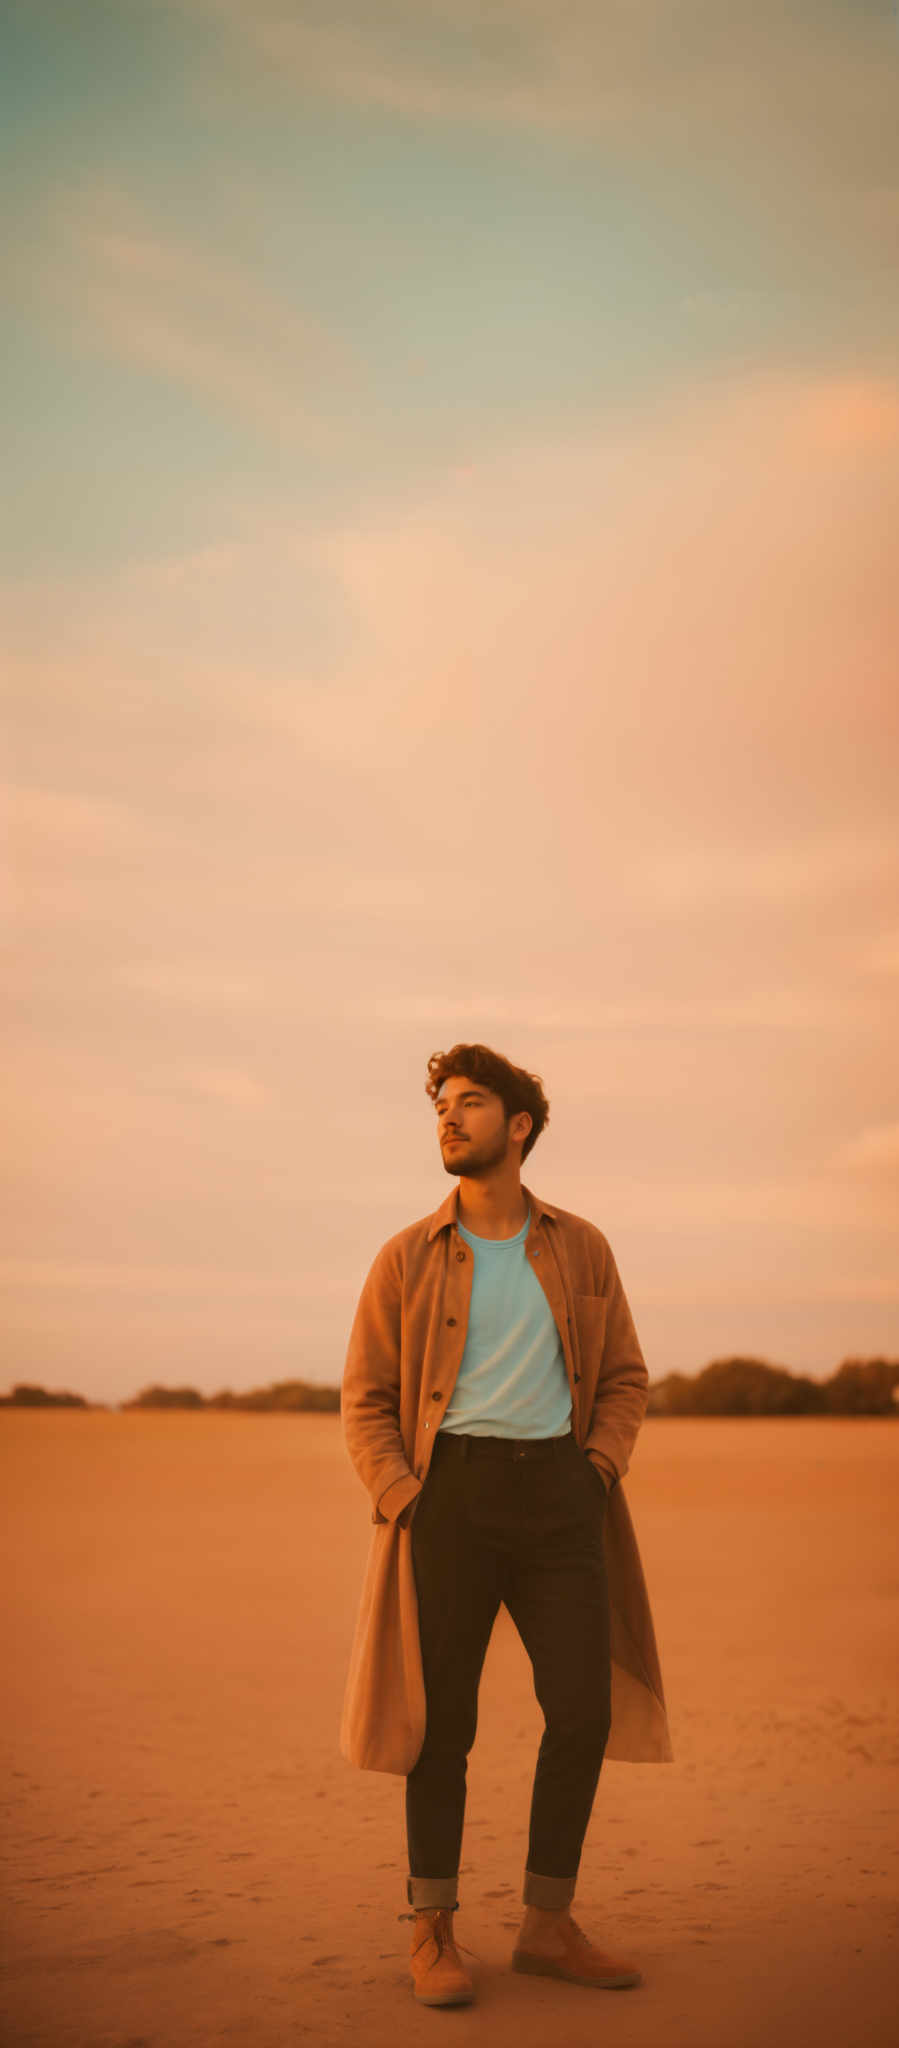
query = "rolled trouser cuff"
{"x": 432, "y": 1891}
{"x": 548, "y": 1892}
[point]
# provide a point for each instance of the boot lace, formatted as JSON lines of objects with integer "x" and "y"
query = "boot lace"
{"x": 441, "y": 1932}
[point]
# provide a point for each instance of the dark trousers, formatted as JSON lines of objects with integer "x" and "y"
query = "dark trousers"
{"x": 520, "y": 1522}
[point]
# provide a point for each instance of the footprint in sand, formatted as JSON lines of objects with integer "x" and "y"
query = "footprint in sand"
{"x": 148, "y": 1950}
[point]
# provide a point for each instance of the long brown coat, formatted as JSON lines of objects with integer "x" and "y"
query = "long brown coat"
{"x": 404, "y": 1354}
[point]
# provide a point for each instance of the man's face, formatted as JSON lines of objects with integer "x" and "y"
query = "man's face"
{"x": 471, "y": 1127}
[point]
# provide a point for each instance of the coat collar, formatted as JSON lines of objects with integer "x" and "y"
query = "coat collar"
{"x": 447, "y": 1214}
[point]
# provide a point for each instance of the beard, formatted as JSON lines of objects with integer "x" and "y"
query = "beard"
{"x": 475, "y": 1160}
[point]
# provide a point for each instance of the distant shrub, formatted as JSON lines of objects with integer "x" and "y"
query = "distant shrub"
{"x": 864, "y": 1386}
{"x": 283, "y": 1396}
{"x": 670, "y": 1396}
{"x": 25, "y": 1396}
{"x": 166, "y": 1397}
{"x": 748, "y": 1386}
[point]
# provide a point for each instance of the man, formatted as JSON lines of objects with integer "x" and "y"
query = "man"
{"x": 493, "y": 1391}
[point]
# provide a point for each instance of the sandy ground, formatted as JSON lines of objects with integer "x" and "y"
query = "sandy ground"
{"x": 188, "y": 1859}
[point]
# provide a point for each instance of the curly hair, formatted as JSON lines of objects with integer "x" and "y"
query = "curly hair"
{"x": 518, "y": 1088}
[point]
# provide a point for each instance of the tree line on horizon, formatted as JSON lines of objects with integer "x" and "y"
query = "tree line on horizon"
{"x": 729, "y": 1386}
{"x": 749, "y": 1386}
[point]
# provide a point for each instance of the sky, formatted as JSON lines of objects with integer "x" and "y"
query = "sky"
{"x": 448, "y": 594}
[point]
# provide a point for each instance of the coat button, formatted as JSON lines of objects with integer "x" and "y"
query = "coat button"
{"x": 536, "y": 1251}
{"x": 436, "y": 1396}
{"x": 460, "y": 1255}
{"x": 451, "y": 1322}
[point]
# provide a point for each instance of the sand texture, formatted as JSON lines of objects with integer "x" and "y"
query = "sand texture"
{"x": 188, "y": 1859}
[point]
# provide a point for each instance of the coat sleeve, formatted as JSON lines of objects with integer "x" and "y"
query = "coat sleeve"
{"x": 622, "y": 1388}
{"x": 370, "y": 1392}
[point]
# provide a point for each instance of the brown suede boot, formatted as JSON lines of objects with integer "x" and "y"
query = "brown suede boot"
{"x": 566, "y": 1952}
{"x": 439, "y": 1976}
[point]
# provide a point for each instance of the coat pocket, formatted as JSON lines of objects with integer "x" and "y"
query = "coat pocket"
{"x": 596, "y": 1478}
